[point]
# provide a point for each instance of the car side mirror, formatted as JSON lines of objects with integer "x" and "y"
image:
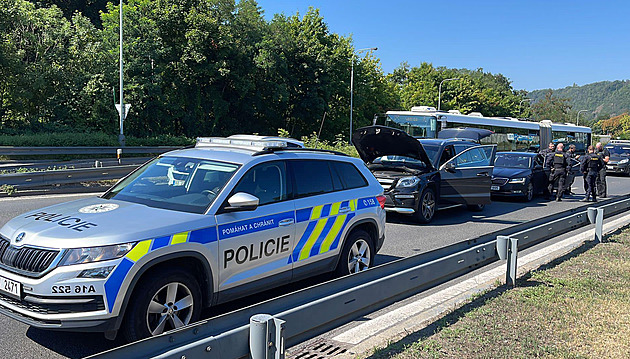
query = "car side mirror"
{"x": 449, "y": 167}
{"x": 242, "y": 201}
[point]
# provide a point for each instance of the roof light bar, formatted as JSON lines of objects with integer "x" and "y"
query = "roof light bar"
{"x": 253, "y": 144}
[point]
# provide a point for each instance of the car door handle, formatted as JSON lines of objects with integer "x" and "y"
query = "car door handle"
{"x": 286, "y": 222}
{"x": 482, "y": 174}
{"x": 344, "y": 210}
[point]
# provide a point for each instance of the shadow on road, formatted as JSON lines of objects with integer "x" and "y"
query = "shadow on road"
{"x": 72, "y": 344}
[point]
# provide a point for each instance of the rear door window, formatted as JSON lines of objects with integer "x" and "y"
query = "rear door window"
{"x": 349, "y": 174}
{"x": 312, "y": 177}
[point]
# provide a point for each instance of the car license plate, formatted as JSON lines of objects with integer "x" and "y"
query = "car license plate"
{"x": 610, "y": 167}
{"x": 10, "y": 287}
{"x": 494, "y": 188}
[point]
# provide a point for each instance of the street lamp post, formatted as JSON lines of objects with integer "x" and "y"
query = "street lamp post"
{"x": 520, "y": 104}
{"x": 352, "y": 82}
{"x": 440, "y": 90}
{"x": 121, "y": 137}
{"x": 577, "y": 120}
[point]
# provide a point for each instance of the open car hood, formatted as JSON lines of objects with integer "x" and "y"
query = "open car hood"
{"x": 373, "y": 142}
{"x": 475, "y": 134}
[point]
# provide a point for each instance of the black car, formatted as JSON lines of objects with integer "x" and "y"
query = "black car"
{"x": 523, "y": 174}
{"x": 420, "y": 176}
{"x": 619, "y": 158}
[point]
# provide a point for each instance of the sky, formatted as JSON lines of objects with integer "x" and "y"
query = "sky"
{"x": 536, "y": 44}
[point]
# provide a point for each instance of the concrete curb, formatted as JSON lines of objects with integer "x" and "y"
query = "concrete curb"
{"x": 393, "y": 326}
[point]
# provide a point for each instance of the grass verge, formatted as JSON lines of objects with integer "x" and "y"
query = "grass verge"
{"x": 575, "y": 307}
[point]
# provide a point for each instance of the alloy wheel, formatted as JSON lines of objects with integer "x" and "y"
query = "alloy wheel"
{"x": 428, "y": 205}
{"x": 171, "y": 307}
{"x": 359, "y": 256}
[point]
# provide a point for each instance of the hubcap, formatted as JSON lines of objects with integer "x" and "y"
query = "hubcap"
{"x": 170, "y": 308}
{"x": 428, "y": 205}
{"x": 359, "y": 257}
{"x": 530, "y": 192}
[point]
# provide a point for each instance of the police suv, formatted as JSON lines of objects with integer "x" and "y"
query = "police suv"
{"x": 187, "y": 230}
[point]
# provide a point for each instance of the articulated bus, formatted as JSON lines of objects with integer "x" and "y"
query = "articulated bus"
{"x": 509, "y": 134}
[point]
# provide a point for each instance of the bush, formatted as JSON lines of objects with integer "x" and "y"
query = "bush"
{"x": 312, "y": 141}
{"x": 69, "y": 139}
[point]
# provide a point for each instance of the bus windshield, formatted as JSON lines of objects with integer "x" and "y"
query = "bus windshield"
{"x": 419, "y": 126}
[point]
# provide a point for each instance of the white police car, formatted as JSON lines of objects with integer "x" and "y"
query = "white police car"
{"x": 190, "y": 229}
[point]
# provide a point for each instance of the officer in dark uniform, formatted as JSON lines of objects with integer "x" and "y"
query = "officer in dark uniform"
{"x": 590, "y": 166}
{"x": 559, "y": 164}
{"x": 546, "y": 152}
{"x": 601, "y": 178}
{"x": 573, "y": 157}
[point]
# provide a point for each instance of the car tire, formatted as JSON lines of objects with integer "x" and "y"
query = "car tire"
{"x": 357, "y": 254}
{"x": 529, "y": 193}
{"x": 155, "y": 293}
{"x": 427, "y": 205}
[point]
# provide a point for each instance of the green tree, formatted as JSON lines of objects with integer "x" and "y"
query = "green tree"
{"x": 552, "y": 108}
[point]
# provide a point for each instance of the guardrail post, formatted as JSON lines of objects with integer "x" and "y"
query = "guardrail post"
{"x": 266, "y": 337}
{"x": 596, "y": 215}
{"x": 510, "y": 278}
{"x": 507, "y": 248}
{"x": 119, "y": 154}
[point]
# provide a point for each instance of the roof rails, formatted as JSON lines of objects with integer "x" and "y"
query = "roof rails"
{"x": 270, "y": 150}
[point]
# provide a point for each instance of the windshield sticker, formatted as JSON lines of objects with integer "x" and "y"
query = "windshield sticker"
{"x": 70, "y": 222}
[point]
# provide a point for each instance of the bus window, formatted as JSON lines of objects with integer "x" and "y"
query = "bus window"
{"x": 414, "y": 125}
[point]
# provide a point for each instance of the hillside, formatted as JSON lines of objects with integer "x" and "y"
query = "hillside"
{"x": 605, "y": 97}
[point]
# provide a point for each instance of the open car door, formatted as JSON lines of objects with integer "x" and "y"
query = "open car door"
{"x": 467, "y": 177}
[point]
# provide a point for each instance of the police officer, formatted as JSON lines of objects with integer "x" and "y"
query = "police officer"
{"x": 559, "y": 164}
{"x": 573, "y": 156}
{"x": 547, "y": 151}
{"x": 601, "y": 178}
{"x": 590, "y": 166}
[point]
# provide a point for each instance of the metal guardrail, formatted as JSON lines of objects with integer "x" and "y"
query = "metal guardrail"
{"x": 82, "y": 150}
{"x": 312, "y": 311}
{"x": 45, "y": 178}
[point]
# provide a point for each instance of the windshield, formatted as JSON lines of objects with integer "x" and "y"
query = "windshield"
{"x": 432, "y": 152}
{"x": 180, "y": 184}
{"x": 619, "y": 151}
{"x": 512, "y": 160}
{"x": 413, "y": 125}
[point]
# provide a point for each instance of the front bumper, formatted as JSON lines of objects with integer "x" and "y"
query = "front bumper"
{"x": 617, "y": 168}
{"x": 509, "y": 190}
{"x": 405, "y": 203}
{"x": 60, "y": 300}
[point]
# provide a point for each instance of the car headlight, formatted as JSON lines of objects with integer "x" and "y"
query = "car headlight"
{"x": 623, "y": 161}
{"x": 95, "y": 254}
{"x": 408, "y": 182}
{"x": 520, "y": 180}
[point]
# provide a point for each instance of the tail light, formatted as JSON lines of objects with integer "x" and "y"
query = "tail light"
{"x": 381, "y": 200}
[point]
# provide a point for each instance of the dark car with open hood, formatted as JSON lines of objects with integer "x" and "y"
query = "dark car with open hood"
{"x": 421, "y": 176}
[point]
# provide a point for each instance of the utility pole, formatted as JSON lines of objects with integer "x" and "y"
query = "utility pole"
{"x": 577, "y": 120}
{"x": 352, "y": 82}
{"x": 123, "y": 109}
{"x": 520, "y": 104}
{"x": 440, "y": 90}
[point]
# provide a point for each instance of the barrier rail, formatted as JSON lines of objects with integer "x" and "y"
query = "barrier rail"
{"x": 312, "y": 311}
{"x": 44, "y": 178}
{"x": 82, "y": 150}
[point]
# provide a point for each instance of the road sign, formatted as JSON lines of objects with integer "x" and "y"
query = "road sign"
{"x": 127, "y": 107}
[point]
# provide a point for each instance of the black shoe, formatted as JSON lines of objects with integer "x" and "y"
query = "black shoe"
{"x": 594, "y": 200}
{"x": 558, "y": 199}
{"x": 585, "y": 200}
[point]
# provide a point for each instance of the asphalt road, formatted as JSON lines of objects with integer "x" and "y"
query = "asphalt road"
{"x": 404, "y": 238}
